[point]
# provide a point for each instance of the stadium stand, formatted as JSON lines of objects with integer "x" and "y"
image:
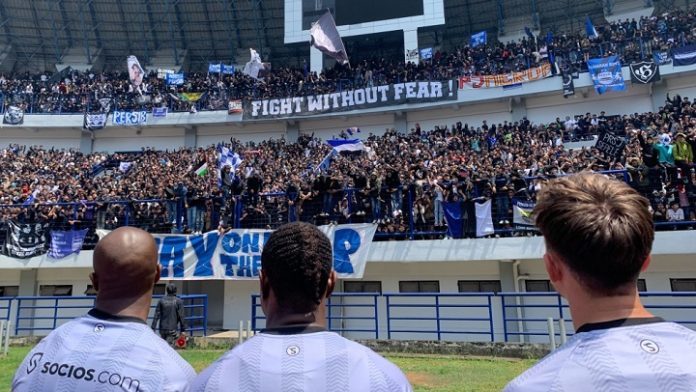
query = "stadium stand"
{"x": 76, "y": 92}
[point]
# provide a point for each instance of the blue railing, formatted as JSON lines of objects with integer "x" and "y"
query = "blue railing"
{"x": 362, "y": 311}
{"x": 45, "y": 313}
{"x": 471, "y": 316}
{"x": 435, "y": 313}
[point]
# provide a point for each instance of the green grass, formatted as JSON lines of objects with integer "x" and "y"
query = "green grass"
{"x": 427, "y": 373}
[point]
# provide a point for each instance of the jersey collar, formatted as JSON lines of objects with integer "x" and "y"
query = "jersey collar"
{"x": 294, "y": 329}
{"x": 625, "y": 322}
{"x": 101, "y": 315}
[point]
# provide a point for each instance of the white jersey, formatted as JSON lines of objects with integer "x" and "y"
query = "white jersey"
{"x": 631, "y": 355}
{"x": 301, "y": 361}
{"x": 100, "y": 352}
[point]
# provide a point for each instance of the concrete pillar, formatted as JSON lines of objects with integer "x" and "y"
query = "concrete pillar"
{"x": 507, "y": 285}
{"x": 401, "y": 122}
{"x": 658, "y": 94}
{"x": 316, "y": 60}
{"x": 86, "y": 142}
{"x": 518, "y": 108}
{"x": 28, "y": 286}
{"x": 411, "y": 45}
{"x": 191, "y": 137}
{"x": 292, "y": 131}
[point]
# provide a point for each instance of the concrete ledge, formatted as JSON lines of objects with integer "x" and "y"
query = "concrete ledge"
{"x": 476, "y": 349}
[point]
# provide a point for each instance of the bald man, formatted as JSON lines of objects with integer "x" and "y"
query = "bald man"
{"x": 111, "y": 348}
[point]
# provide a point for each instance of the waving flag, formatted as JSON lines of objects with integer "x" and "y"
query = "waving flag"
{"x": 590, "y": 29}
{"x": 325, "y": 37}
{"x": 478, "y": 39}
{"x": 254, "y": 66}
{"x": 135, "y": 71}
{"x": 340, "y": 145}
{"x": 214, "y": 68}
{"x": 227, "y": 158}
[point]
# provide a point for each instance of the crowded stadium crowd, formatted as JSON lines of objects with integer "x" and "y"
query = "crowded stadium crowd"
{"x": 400, "y": 180}
{"x": 76, "y": 92}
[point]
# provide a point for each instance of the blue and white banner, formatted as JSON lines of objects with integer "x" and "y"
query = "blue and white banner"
{"x": 214, "y": 68}
{"x": 159, "y": 112}
{"x": 237, "y": 253}
{"x": 426, "y": 54}
{"x": 228, "y": 69}
{"x": 174, "y": 79}
{"x": 352, "y": 145}
{"x": 94, "y": 121}
{"x": 662, "y": 57}
{"x": 480, "y": 38}
{"x": 522, "y": 212}
{"x": 129, "y": 118}
{"x": 685, "y": 55}
{"x": 606, "y": 74}
{"x": 65, "y": 243}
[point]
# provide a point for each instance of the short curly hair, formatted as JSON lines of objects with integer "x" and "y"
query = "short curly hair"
{"x": 297, "y": 261}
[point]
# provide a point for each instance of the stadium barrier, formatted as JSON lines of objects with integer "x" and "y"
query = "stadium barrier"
{"x": 5, "y": 307}
{"x": 42, "y": 314}
{"x": 491, "y": 317}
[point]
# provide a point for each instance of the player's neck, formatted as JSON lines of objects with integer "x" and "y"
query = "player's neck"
{"x": 281, "y": 319}
{"x": 132, "y": 307}
{"x": 590, "y": 310}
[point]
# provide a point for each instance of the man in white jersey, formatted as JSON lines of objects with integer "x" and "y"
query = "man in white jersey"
{"x": 295, "y": 352}
{"x": 111, "y": 348}
{"x": 599, "y": 233}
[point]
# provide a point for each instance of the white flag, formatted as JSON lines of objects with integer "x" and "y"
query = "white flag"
{"x": 325, "y": 37}
{"x": 135, "y": 71}
{"x": 484, "y": 219}
{"x": 254, "y": 65}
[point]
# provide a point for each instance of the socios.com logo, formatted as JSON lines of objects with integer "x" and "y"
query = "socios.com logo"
{"x": 34, "y": 362}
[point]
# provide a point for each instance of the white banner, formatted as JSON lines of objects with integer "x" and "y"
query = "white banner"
{"x": 522, "y": 212}
{"x": 129, "y": 118}
{"x": 237, "y": 254}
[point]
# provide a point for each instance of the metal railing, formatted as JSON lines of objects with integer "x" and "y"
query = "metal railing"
{"x": 45, "y": 313}
{"x": 359, "y": 308}
{"x": 483, "y": 316}
{"x": 435, "y": 314}
{"x": 5, "y": 307}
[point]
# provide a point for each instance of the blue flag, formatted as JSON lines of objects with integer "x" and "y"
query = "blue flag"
{"x": 454, "y": 215}
{"x": 606, "y": 74}
{"x": 65, "y": 243}
{"x": 214, "y": 68}
{"x": 529, "y": 33}
{"x": 227, "y": 69}
{"x": 480, "y": 38}
{"x": 175, "y": 79}
{"x": 590, "y": 29}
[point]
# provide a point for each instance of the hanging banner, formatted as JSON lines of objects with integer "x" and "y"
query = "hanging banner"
{"x": 686, "y": 55}
{"x": 568, "y": 85}
{"x": 129, "y": 118}
{"x": 234, "y": 106}
{"x": 65, "y": 243}
{"x": 370, "y": 97}
{"x": 236, "y": 254}
{"x": 522, "y": 212}
{"x": 606, "y": 74}
{"x": 228, "y": 69}
{"x": 135, "y": 71}
{"x": 13, "y": 116}
{"x": 611, "y": 144}
{"x": 175, "y": 79}
{"x": 644, "y": 72}
{"x": 490, "y": 81}
{"x": 25, "y": 240}
{"x": 160, "y": 112}
{"x": 94, "y": 121}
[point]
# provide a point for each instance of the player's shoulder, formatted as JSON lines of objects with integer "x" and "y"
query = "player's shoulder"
{"x": 540, "y": 377}
{"x": 379, "y": 367}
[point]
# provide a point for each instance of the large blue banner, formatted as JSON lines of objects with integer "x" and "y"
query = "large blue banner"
{"x": 65, "y": 243}
{"x": 129, "y": 118}
{"x": 686, "y": 55}
{"x": 236, "y": 254}
{"x": 606, "y": 74}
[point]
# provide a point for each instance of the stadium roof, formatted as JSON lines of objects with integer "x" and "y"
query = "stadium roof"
{"x": 37, "y": 34}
